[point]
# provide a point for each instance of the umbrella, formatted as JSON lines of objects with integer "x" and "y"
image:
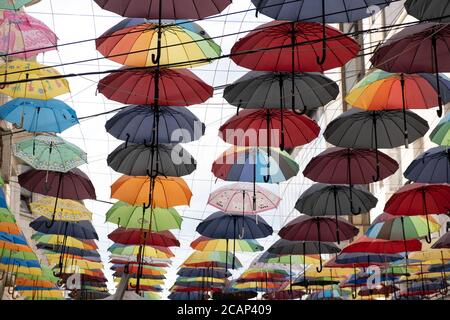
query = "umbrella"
{"x": 366, "y": 259}
{"x": 328, "y": 200}
{"x": 167, "y": 192}
{"x": 133, "y": 124}
{"x": 271, "y": 258}
{"x": 142, "y": 160}
{"x": 353, "y": 166}
{"x": 135, "y": 236}
{"x": 24, "y": 37}
{"x": 375, "y": 129}
{"x": 440, "y": 135}
{"x": 369, "y": 245}
{"x": 438, "y": 11}
{"x": 176, "y": 87}
{"x": 381, "y": 90}
{"x": 209, "y": 257}
{"x": 432, "y": 166}
{"x": 254, "y": 165}
{"x": 305, "y": 228}
{"x": 188, "y": 296}
{"x": 10, "y": 228}
{"x": 147, "y": 251}
{"x": 269, "y": 127}
{"x": 208, "y": 244}
{"x": 132, "y": 43}
{"x": 14, "y": 4}
{"x": 58, "y": 240}
{"x": 261, "y": 89}
{"x": 175, "y": 9}
{"x": 420, "y": 199}
{"x": 443, "y": 242}
{"x": 237, "y": 198}
{"x": 284, "y": 295}
{"x": 207, "y": 272}
{"x": 129, "y": 216}
{"x": 39, "y": 115}
{"x": 415, "y": 49}
{"x": 79, "y": 230}
{"x": 35, "y": 87}
{"x": 66, "y": 210}
{"x": 238, "y": 295}
{"x": 50, "y": 153}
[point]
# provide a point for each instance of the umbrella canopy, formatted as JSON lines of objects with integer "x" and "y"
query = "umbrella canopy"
{"x": 138, "y": 237}
{"x": 212, "y": 256}
{"x": 365, "y": 244}
{"x": 36, "y": 87}
{"x": 238, "y": 198}
{"x": 269, "y": 127}
{"x": 128, "y": 216}
{"x": 269, "y": 47}
{"x": 391, "y": 227}
{"x": 147, "y": 251}
{"x": 39, "y": 115}
{"x": 260, "y": 89}
{"x": 66, "y": 210}
{"x": 220, "y": 225}
{"x": 24, "y": 36}
{"x": 364, "y": 259}
{"x": 208, "y": 244}
{"x": 142, "y": 160}
{"x": 132, "y": 42}
{"x": 438, "y": 11}
{"x": 284, "y": 295}
{"x": 441, "y": 134}
{"x": 290, "y": 259}
{"x": 374, "y": 129}
{"x": 325, "y": 11}
{"x": 176, "y": 87}
{"x": 133, "y": 124}
{"x": 188, "y": 296}
{"x": 443, "y": 242}
{"x": 174, "y": 9}
{"x": 79, "y": 230}
{"x": 14, "y": 4}
{"x": 254, "y": 165}
{"x": 203, "y": 272}
{"x": 58, "y": 240}
{"x": 9, "y": 227}
{"x": 288, "y": 247}
{"x": 167, "y": 192}
{"x": 432, "y": 166}
{"x": 73, "y": 184}
{"x": 50, "y": 153}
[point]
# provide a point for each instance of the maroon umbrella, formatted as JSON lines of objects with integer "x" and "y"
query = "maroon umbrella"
{"x": 177, "y": 87}
{"x": 170, "y": 9}
{"x": 420, "y": 199}
{"x": 326, "y": 229}
{"x": 385, "y": 290}
{"x": 136, "y": 236}
{"x": 423, "y": 48}
{"x": 284, "y": 295}
{"x": 74, "y": 184}
{"x": 269, "y": 127}
{"x": 350, "y": 166}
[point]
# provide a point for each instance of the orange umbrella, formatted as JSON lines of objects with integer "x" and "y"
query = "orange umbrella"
{"x": 14, "y": 247}
{"x": 9, "y": 227}
{"x": 24, "y": 282}
{"x": 167, "y": 192}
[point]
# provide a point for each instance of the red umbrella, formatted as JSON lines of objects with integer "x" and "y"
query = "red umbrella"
{"x": 306, "y": 228}
{"x": 365, "y": 244}
{"x": 136, "y": 237}
{"x": 178, "y": 87}
{"x": 269, "y": 127}
{"x": 272, "y": 46}
{"x": 350, "y": 166}
{"x": 332, "y": 264}
{"x": 420, "y": 199}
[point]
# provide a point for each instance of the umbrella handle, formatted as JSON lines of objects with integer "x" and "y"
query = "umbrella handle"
{"x": 355, "y": 213}
{"x": 300, "y": 113}
{"x": 241, "y": 235}
{"x": 354, "y": 294}
{"x": 320, "y": 267}
{"x": 322, "y": 59}
{"x": 51, "y": 222}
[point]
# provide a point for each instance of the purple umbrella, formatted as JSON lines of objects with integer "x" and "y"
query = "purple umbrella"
{"x": 306, "y": 228}
{"x": 419, "y": 48}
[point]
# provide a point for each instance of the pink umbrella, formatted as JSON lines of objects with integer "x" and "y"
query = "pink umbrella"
{"x": 23, "y": 36}
{"x": 243, "y": 198}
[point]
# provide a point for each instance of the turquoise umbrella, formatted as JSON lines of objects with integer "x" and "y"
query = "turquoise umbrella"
{"x": 13, "y": 4}
{"x": 441, "y": 134}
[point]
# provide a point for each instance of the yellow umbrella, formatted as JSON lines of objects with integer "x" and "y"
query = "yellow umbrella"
{"x": 66, "y": 210}
{"x": 418, "y": 276}
{"x": 42, "y": 294}
{"x": 201, "y": 279}
{"x": 81, "y": 263}
{"x": 39, "y": 88}
{"x": 431, "y": 255}
{"x": 58, "y": 240}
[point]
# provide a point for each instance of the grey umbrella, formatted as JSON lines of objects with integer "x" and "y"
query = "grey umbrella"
{"x": 374, "y": 129}
{"x": 435, "y": 10}
{"x": 432, "y": 166}
{"x": 260, "y": 89}
{"x": 328, "y": 200}
{"x": 141, "y": 160}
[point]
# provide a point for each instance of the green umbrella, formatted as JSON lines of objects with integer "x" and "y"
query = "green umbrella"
{"x": 50, "y": 153}
{"x": 13, "y": 4}
{"x": 6, "y": 216}
{"x": 129, "y": 216}
{"x": 441, "y": 134}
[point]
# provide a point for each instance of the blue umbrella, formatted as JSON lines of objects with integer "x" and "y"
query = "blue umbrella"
{"x": 20, "y": 262}
{"x": 203, "y": 272}
{"x": 68, "y": 250}
{"x": 432, "y": 166}
{"x": 39, "y": 115}
{"x": 80, "y": 230}
{"x": 364, "y": 257}
{"x": 439, "y": 268}
{"x": 13, "y": 238}
{"x": 135, "y": 124}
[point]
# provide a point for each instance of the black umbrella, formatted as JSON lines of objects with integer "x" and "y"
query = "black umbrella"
{"x": 328, "y": 200}
{"x": 137, "y": 160}
{"x": 432, "y": 166}
{"x": 433, "y": 10}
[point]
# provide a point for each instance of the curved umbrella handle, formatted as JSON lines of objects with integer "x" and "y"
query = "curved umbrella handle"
{"x": 320, "y": 267}
{"x": 267, "y": 178}
{"x": 300, "y": 113}
{"x": 51, "y": 222}
{"x": 241, "y": 235}
{"x": 354, "y": 294}
{"x": 322, "y": 59}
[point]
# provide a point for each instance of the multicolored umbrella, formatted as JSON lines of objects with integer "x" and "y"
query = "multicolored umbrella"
{"x": 432, "y": 166}
{"x": 209, "y": 244}
{"x": 39, "y": 115}
{"x": 132, "y": 43}
{"x": 175, "y": 9}
{"x": 178, "y": 87}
